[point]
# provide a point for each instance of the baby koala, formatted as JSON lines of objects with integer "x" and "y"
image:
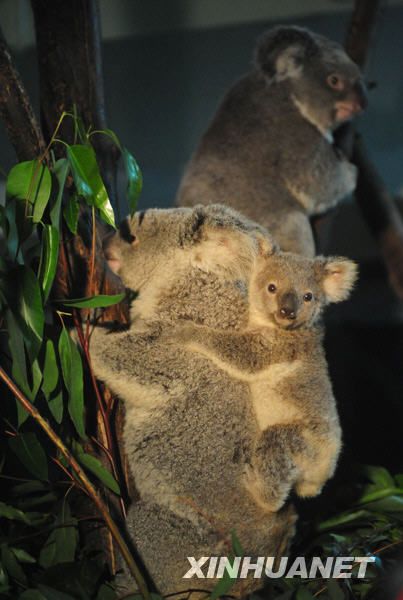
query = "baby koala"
{"x": 280, "y": 355}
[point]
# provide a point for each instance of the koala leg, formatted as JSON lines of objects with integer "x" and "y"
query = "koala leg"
{"x": 318, "y": 464}
{"x": 273, "y": 470}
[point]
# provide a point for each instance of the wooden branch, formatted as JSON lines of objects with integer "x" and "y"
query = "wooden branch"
{"x": 70, "y": 71}
{"x": 376, "y": 204}
{"x": 16, "y": 110}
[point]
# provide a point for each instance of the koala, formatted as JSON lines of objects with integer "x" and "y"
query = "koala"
{"x": 279, "y": 355}
{"x": 190, "y": 427}
{"x": 269, "y": 150}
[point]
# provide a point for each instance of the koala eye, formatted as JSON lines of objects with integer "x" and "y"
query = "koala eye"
{"x": 308, "y": 297}
{"x": 272, "y": 288}
{"x": 335, "y": 82}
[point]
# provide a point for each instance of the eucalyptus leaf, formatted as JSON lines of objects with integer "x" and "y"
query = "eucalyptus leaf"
{"x": 379, "y": 476}
{"x": 71, "y": 212}
{"x": 31, "y": 594}
{"x": 61, "y": 545}
{"x": 134, "y": 180}
{"x": 12, "y": 513}
{"x": 72, "y": 370}
{"x": 30, "y": 452}
{"x": 49, "y": 256}
{"x": 23, "y": 556}
{"x": 99, "y": 301}
{"x": 61, "y": 170}
{"x": 56, "y": 407}
{"x": 50, "y": 370}
{"x": 95, "y": 466}
{"x": 12, "y": 566}
{"x": 30, "y": 181}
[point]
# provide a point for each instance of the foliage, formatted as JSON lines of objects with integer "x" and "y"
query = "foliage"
{"x": 43, "y": 547}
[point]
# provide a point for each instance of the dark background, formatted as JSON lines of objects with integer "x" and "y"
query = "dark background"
{"x": 166, "y": 65}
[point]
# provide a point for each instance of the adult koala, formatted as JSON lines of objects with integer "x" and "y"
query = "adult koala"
{"x": 269, "y": 150}
{"x": 188, "y": 425}
{"x": 227, "y": 397}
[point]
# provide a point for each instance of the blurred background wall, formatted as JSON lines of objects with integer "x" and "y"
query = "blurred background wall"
{"x": 166, "y": 66}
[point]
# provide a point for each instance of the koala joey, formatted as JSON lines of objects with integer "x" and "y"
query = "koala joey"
{"x": 190, "y": 428}
{"x": 279, "y": 356}
{"x": 269, "y": 150}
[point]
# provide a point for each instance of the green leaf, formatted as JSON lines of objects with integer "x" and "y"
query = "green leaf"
{"x": 343, "y": 519}
{"x": 49, "y": 256}
{"x": 100, "y": 301}
{"x": 236, "y": 544}
{"x": 71, "y": 212}
{"x": 72, "y": 370}
{"x": 50, "y": 370}
{"x": 134, "y": 180}
{"x": 379, "y": 476}
{"x": 23, "y": 556}
{"x": 95, "y": 466}
{"x": 56, "y": 407}
{"x": 19, "y": 367}
{"x": 399, "y": 480}
{"x": 61, "y": 545}
{"x": 12, "y": 566}
{"x": 88, "y": 180}
{"x": 30, "y": 181}
{"x": 25, "y": 301}
{"x": 61, "y": 170}
{"x": 389, "y": 504}
{"x": 13, "y": 514}
{"x": 30, "y": 452}
{"x": 110, "y": 134}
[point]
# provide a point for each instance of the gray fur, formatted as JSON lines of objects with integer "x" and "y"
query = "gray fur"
{"x": 268, "y": 151}
{"x": 191, "y": 372}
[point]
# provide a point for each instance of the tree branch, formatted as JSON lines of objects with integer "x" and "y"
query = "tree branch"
{"x": 16, "y": 110}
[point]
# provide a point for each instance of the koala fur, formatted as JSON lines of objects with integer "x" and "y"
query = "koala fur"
{"x": 279, "y": 354}
{"x": 189, "y": 427}
{"x": 227, "y": 398}
{"x": 269, "y": 150}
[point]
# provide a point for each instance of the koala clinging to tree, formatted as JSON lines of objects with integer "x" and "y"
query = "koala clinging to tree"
{"x": 190, "y": 428}
{"x": 216, "y": 433}
{"x": 269, "y": 150}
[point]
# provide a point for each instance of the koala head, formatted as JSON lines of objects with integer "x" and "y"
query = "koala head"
{"x": 152, "y": 248}
{"x": 290, "y": 291}
{"x": 324, "y": 83}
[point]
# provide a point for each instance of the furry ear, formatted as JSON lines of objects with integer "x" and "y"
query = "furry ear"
{"x": 266, "y": 245}
{"x": 338, "y": 278}
{"x": 281, "y": 51}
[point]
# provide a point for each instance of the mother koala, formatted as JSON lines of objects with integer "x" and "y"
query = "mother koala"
{"x": 189, "y": 426}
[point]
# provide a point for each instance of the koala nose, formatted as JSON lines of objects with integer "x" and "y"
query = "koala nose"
{"x": 288, "y": 306}
{"x": 287, "y": 313}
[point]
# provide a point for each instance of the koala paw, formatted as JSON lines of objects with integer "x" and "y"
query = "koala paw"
{"x": 308, "y": 489}
{"x": 263, "y": 495}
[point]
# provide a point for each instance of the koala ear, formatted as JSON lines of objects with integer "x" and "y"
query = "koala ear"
{"x": 338, "y": 278}
{"x": 266, "y": 245}
{"x": 281, "y": 52}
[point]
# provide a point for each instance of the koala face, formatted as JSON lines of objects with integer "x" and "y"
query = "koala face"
{"x": 290, "y": 291}
{"x": 325, "y": 84}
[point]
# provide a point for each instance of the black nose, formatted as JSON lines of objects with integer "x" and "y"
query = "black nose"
{"x": 287, "y": 313}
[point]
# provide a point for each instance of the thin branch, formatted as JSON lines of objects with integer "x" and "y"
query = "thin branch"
{"x": 84, "y": 481}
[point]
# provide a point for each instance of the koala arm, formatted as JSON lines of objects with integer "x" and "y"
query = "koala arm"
{"x": 331, "y": 178}
{"x": 246, "y": 353}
